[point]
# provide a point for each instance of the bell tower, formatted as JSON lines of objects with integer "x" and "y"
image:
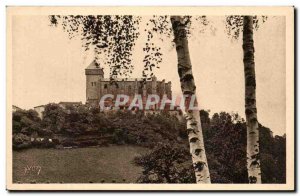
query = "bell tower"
{"x": 93, "y": 74}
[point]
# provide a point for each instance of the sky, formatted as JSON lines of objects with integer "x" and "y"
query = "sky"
{"x": 49, "y": 67}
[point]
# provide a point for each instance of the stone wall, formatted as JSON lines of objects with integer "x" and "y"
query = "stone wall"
{"x": 132, "y": 87}
{"x": 97, "y": 86}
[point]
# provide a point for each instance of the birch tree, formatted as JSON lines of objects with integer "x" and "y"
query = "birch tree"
{"x": 246, "y": 24}
{"x": 180, "y": 28}
{"x": 188, "y": 88}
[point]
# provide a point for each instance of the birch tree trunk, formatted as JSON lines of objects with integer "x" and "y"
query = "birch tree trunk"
{"x": 253, "y": 156}
{"x": 188, "y": 89}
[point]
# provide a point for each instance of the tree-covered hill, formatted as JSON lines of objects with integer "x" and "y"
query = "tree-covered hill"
{"x": 224, "y": 137}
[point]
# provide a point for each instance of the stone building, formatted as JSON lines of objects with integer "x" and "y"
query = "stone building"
{"x": 64, "y": 104}
{"x": 15, "y": 108}
{"x": 97, "y": 86}
{"x": 40, "y": 110}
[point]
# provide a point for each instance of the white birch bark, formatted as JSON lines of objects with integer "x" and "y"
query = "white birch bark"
{"x": 253, "y": 156}
{"x": 188, "y": 88}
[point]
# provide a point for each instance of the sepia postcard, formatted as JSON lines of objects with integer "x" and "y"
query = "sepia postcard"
{"x": 150, "y": 98}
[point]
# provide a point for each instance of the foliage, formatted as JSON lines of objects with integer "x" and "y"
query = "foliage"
{"x": 25, "y": 121}
{"x": 225, "y": 143}
{"x": 118, "y": 127}
{"x": 234, "y": 24}
{"x": 53, "y": 118}
{"x": 111, "y": 36}
{"x": 160, "y": 28}
{"x": 166, "y": 164}
{"x": 21, "y": 141}
{"x": 224, "y": 134}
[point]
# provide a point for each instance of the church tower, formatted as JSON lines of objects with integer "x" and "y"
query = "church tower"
{"x": 93, "y": 74}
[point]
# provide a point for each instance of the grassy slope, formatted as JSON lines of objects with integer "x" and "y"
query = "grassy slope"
{"x": 82, "y": 165}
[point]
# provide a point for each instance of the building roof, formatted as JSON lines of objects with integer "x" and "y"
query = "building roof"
{"x": 94, "y": 69}
{"x": 16, "y": 107}
{"x": 39, "y": 106}
{"x": 94, "y": 65}
{"x": 122, "y": 79}
{"x": 131, "y": 80}
{"x": 70, "y": 103}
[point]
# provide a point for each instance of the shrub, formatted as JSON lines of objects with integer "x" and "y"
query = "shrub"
{"x": 166, "y": 164}
{"x": 25, "y": 122}
{"x": 21, "y": 141}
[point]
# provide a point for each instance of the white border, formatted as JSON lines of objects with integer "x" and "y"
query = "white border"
{"x": 91, "y": 2}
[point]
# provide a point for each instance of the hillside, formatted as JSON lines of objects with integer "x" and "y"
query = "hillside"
{"x": 224, "y": 136}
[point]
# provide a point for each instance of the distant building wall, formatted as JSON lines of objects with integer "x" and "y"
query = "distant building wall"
{"x": 93, "y": 74}
{"x": 40, "y": 110}
{"x": 66, "y": 104}
{"x": 97, "y": 86}
{"x": 131, "y": 87}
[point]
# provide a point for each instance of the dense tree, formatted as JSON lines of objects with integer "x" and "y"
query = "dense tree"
{"x": 165, "y": 137}
{"x": 25, "y": 121}
{"x": 166, "y": 163}
{"x": 226, "y": 140}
